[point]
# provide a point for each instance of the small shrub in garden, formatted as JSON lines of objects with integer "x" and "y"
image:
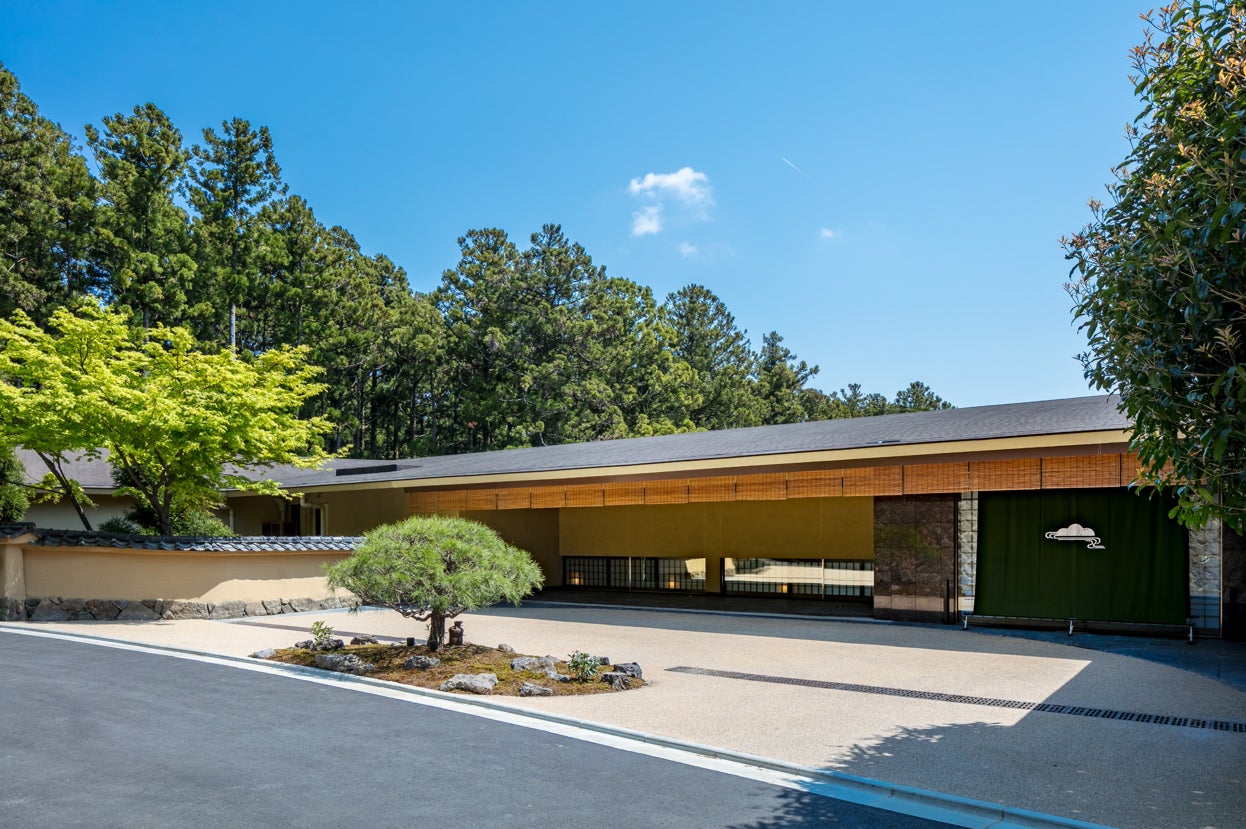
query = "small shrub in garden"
{"x": 321, "y": 632}
{"x": 583, "y": 666}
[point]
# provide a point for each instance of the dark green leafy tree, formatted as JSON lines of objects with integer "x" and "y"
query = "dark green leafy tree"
{"x": 47, "y": 210}
{"x": 781, "y": 382}
{"x": 233, "y": 176}
{"x": 142, "y": 236}
{"x": 1160, "y": 286}
{"x": 917, "y": 397}
{"x": 432, "y": 568}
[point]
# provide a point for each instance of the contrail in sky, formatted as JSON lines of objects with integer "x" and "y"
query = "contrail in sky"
{"x": 797, "y": 169}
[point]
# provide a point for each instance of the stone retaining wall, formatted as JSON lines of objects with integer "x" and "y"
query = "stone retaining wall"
{"x": 121, "y": 610}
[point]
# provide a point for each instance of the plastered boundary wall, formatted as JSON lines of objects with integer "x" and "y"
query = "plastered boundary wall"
{"x": 82, "y": 582}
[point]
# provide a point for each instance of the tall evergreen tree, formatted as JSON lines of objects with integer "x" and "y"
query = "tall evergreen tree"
{"x": 47, "y": 209}
{"x": 781, "y": 382}
{"x": 233, "y": 176}
{"x": 143, "y": 235}
{"x": 705, "y": 336}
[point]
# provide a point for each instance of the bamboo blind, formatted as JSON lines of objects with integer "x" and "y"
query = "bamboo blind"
{"x": 1087, "y": 471}
{"x": 927, "y": 478}
{"x": 586, "y": 495}
{"x": 617, "y": 495}
{"x": 711, "y": 489}
{"x": 761, "y": 487}
{"x": 666, "y": 492}
{"x": 451, "y": 499}
{"x": 481, "y": 499}
{"x": 988, "y": 476}
{"x": 914, "y": 479}
{"x": 820, "y": 484}
{"x": 421, "y": 502}
{"x": 548, "y": 497}
{"x": 516, "y": 498}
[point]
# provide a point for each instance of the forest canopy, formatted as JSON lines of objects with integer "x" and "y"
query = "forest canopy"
{"x": 516, "y": 346}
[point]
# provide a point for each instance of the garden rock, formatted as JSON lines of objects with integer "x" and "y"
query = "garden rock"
{"x": 365, "y": 640}
{"x": 616, "y": 680}
{"x": 473, "y": 683}
{"x": 322, "y": 645}
{"x": 531, "y": 689}
{"x": 266, "y": 653}
{"x": 603, "y": 660}
{"x": 536, "y": 664}
{"x": 103, "y": 611}
{"x": 506, "y": 649}
{"x": 421, "y": 661}
{"x": 303, "y": 605}
{"x": 345, "y": 663}
{"x": 630, "y": 669}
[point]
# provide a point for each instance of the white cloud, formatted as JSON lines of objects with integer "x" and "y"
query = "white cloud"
{"x": 685, "y": 184}
{"x": 827, "y": 233}
{"x": 687, "y": 249}
{"x": 647, "y": 220}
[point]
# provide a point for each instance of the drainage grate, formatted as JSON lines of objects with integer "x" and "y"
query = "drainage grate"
{"x": 1046, "y": 707}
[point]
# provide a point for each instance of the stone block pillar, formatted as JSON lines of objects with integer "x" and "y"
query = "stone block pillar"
{"x": 1205, "y": 563}
{"x": 967, "y": 550}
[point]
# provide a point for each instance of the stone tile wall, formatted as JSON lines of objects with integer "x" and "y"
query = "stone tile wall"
{"x": 914, "y": 556}
{"x": 967, "y": 553}
{"x": 1204, "y": 568}
{"x": 1234, "y": 566}
{"x": 55, "y": 609}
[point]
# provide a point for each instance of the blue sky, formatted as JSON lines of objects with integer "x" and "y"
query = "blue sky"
{"x": 883, "y": 184}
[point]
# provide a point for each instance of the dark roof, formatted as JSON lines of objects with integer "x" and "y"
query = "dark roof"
{"x": 1050, "y": 417}
{"x": 198, "y": 544}
{"x": 15, "y": 530}
{"x": 93, "y": 474}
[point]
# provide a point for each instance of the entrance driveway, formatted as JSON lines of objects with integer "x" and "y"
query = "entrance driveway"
{"x": 1080, "y": 733}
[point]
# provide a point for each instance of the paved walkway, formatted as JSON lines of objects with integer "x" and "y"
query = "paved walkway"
{"x": 1081, "y": 733}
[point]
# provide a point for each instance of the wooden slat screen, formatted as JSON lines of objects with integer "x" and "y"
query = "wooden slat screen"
{"x": 882, "y": 480}
{"x": 711, "y": 489}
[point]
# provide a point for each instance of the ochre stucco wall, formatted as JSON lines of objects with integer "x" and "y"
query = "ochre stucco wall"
{"x": 798, "y": 528}
{"x": 534, "y": 530}
{"x": 135, "y": 575}
{"x": 345, "y": 513}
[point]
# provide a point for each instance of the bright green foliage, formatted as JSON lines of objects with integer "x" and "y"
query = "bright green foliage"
{"x": 432, "y": 568}
{"x": 583, "y": 666}
{"x": 142, "y": 236}
{"x": 917, "y": 398}
{"x": 13, "y": 500}
{"x": 321, "y": 632}
{"x": 176, "y": 423}
{"x": 1161, "y": 290}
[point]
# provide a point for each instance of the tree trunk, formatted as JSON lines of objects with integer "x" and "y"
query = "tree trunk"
{"x": 436, "y": 630}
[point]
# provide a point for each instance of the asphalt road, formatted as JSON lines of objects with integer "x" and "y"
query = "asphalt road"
{"x": 93, "y": 736}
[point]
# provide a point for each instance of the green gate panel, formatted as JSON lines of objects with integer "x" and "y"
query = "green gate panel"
{"x": 1141, "y": 575}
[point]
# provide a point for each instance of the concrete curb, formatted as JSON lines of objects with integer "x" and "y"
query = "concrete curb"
{"x": 930, "y": 805}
